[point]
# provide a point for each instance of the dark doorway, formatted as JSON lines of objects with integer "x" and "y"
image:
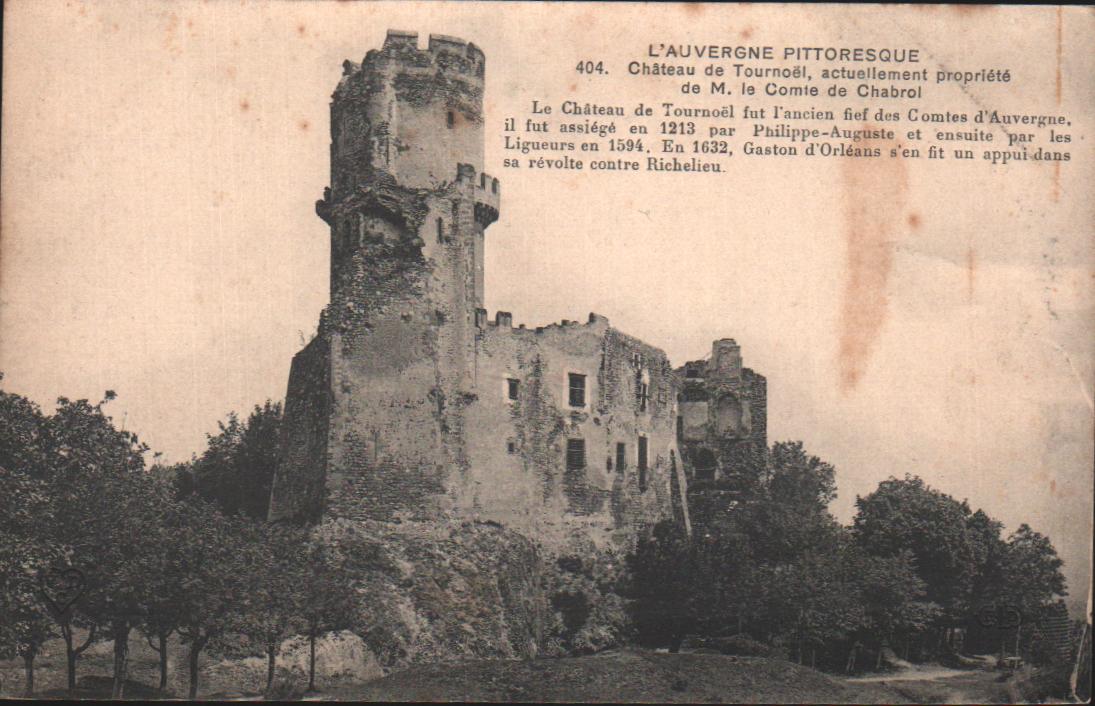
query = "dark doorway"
{"x": 642, "y": 464}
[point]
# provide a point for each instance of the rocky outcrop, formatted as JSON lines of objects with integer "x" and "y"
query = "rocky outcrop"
{"x": 445, "y": 592}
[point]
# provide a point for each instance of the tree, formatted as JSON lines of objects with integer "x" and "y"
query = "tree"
{"x": 1032, "y": 574}
{"x": 110, "y": 509}
{"x": 164, "y": 592}
{"x": 220, "y": 565}
{"x": 798, "y": 479}
{"x": 280, "y": 594}
{"x": 665, "y": 585}
{"x": 326, "y": 600}
{"x": 909, "y": 515}
{"x": 25, "y": 551}
{"x": 236, "y": 470}
{"x": 892, "y": 595}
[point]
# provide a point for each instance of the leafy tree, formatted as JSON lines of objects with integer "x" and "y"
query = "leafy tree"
{"x": 1032, "y": 574}
{"x": 326, "y": 601}
{"x": 280, "y": 594}
{"x": 25, "y": 624}
{"x": 163, "y": 587}
{"x": 798, "y": 479}
{"x": 665, "y": 586}
{"x": 892, "y": 596}
{"x": 110, "y": 506}
{"x": 237, "y": 468}
{"x": 220, "y": 562}
{"x": 908, "y": 514}
{"x": 808, "y": 603}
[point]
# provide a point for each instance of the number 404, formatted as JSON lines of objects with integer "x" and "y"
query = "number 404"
{"x": 590, "y": 67}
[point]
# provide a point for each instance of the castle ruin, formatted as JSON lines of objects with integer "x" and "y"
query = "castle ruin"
{"x": 411, "y": 403}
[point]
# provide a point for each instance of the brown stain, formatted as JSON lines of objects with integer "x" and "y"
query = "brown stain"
{"x": 1057, "y": 165}
{"x": 573, "y": 87}
{"x": 875, "y": 191}
{"x": 746, "y": 33}
{"x": 695, "y": 9}
{"x": 245, "y": 105}
{"x": 169, "y": 34}
{"x": 914, "y": 221}
{"x": 304, "y": 125}
{"x": 1060, "y": 20}
{"x": 971, "y": 272}
{"x": 302, "y": 29}
{"x": 231, "y": 71}
{"x": 1052, "y": 487}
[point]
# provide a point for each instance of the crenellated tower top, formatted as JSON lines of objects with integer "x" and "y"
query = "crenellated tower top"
{"x": 410, "y": 113}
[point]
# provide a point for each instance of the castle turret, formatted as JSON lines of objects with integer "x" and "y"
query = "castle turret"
{"x": 407, "y": 207}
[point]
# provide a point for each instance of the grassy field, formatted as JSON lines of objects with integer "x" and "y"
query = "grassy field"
{"x": 624, "y": 676}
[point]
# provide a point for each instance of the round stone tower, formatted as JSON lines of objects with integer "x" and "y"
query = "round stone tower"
{"x": 408, "y": 206}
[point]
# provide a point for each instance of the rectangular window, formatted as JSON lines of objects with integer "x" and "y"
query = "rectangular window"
{"x": 512, "y": 388}
{"x": 642, "y": 464}
{"x": 450, "y": 119}
{"x": 576, "y": 454}
{"x": 643, "y": 395}
{"x": 440, "y": 231}
{"x": 577, "y": 386}
{"x": 511, "y": 447}
{"x": 621, "y": 457}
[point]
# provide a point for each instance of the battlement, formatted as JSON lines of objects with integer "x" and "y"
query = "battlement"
{"x": 504, "y": 320}
{"x": 487, "y": 193}
{"x": 442, "y": 52}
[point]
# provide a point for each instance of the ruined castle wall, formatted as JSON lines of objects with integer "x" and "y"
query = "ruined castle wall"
{"x": 298, "y": 481}
{"x": 517, "y": 449}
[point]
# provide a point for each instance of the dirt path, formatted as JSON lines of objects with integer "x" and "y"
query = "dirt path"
{"x": 934, "y": 684}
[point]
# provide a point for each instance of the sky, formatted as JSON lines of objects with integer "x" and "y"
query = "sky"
{"x": 161, "y": 162}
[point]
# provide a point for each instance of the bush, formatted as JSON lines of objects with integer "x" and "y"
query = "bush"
{"x": 587, "y": 613}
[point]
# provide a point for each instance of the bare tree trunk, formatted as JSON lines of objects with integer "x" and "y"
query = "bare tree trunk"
{"x": 121, "y": 657}
{"x": 195, "y": 650}
{"x": 312, "y": 662}
{"x": 271, "y": 654}
{"x": 71, "y": 653}
{"x": 28, "y": 670}
{"x": 163, "y": 661}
